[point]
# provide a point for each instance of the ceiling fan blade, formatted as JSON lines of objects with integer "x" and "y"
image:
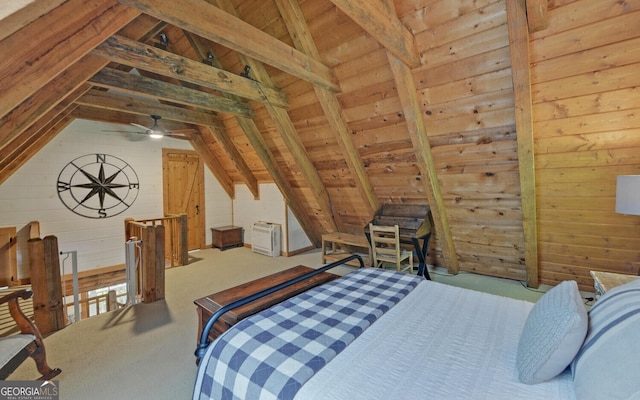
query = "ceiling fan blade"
{"x": 144, "y": 128}
{"x": 132, "y": 136}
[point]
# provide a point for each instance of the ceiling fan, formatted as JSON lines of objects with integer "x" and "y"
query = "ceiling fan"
{"x": 156, "y": 132}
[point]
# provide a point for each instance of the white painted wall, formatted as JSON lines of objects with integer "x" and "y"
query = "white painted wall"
{"x": 30, "y": 194}
{"x": 298, "y": 239}
{"x": 271, "y": 207}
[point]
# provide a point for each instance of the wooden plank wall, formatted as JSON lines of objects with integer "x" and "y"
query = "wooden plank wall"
{"x": 585, "y": 74}
{"x": 585, "y": 78}
{"x": 467, "y": 91}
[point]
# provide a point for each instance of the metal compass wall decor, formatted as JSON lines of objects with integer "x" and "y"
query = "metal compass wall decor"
{"x": 98, "y": 186}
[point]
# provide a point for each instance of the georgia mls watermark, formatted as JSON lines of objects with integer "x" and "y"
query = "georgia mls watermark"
{"x": 29, "y": 390}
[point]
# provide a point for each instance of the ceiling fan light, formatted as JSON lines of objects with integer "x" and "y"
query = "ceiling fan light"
{"x": 156, "y": 135}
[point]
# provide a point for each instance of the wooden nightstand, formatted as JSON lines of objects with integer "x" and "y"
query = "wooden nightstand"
{"x": 605, "y": 281}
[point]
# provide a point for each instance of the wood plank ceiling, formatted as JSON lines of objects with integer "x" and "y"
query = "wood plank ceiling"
{"x": 274, "y": 91}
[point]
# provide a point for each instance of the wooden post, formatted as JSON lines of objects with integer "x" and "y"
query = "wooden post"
{"x": 112, "y": 301}
{"x": 153, "y": 263}
{"x": 8, "y": 256}
{"x": 28, "y": 232}
{"x": 46, "y": 284}
{"x": 184, "y": 240}
{"x": 159, "y": 261}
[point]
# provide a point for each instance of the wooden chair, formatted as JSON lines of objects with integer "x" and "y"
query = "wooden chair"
{"x": 385, "y": 248}
{"x": 14, "y": 349}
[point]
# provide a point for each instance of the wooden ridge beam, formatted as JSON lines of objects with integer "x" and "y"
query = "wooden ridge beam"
{"x": 302, "y": 39}
{"x": 380, "y": 21}
{"x": 148, "y": 58}
{"x": 36, "y": 54}
{"x": 519, "y": 48}
{"x": 212, "y": 23}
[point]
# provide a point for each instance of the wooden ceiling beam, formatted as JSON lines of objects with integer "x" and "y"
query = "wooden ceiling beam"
{"x": 292, "y": 140}
{"x": 148, "y": 58}
{"x": 298, "y": 207}
{"x": 381, "y": 22}
{"x": 15, "y": 15}
{"x": 110, "y": 78}
{"x": 19, "y": 151}
{"x": 137, "y": 105}
{"x": 214, "y": 165}
{"x": 537, "y": 18}
{"x": 210, "y": 22}
{"x": 302, "y": 39}
{"x": 247, "y": 175}
{"x": 46, "y": 98}
{"x": 218, "y": 135}
{"x": 519, "y": 50}
{"x": 28, "y": 149}
{"x": 36, "y": 54}
{"x": 13, "y": 124}
{"x": 408, "y": 95}
{"x": 424, "y": 158}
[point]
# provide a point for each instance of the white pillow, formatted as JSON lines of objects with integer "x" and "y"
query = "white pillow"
{"x": 553, "y": 334}
{"x": 608, "y": 364}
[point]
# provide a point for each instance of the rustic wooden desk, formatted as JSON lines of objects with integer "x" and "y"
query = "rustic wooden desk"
{"x": 208, "y": 305}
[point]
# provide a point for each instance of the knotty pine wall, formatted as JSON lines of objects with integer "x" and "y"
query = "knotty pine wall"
{"x": 585, "y": 75}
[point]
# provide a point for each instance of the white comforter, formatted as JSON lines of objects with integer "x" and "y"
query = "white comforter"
{"x": 440, "y": 342}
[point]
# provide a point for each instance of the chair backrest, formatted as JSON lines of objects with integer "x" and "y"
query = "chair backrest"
{"x": 385, "y": 244}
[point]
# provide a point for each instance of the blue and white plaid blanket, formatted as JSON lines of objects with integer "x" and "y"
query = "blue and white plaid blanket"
{"x": 271, "y": 354}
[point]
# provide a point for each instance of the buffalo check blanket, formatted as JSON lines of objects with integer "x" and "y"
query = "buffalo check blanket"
{"x": 270, "y": 355}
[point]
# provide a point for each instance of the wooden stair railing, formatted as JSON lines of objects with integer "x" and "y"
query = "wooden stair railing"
{"x": 151, "y": 256}
{"x": 176, "y": 245}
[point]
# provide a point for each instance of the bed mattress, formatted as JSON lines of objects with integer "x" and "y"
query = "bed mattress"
{"x": 439, "y": 342}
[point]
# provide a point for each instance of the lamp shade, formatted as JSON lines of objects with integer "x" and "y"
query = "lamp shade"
{"x": 628, "y": 194}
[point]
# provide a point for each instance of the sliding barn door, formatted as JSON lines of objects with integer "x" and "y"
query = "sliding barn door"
{"x": 183, "y": 180}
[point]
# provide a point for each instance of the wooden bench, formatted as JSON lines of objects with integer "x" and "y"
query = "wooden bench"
{"x": 338, "y": 245}
{"x": 208, "y": 305}
{"x": 14, "y": 349}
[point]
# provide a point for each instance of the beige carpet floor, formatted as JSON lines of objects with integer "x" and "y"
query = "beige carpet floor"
{"x": 146, "y": 351}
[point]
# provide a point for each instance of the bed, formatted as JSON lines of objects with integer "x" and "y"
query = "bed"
{"x": 376, "y": 334}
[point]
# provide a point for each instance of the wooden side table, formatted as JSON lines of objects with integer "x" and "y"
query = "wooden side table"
{"x": 226, "y": 237}
{"x": 206, "y": 306}
{"x": 605, "y": 281}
